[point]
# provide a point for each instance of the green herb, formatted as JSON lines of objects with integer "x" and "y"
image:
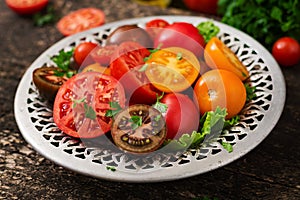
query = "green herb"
{"x": 111, "y": 168}
{"x": 136, "y": 121}
{"x": 265, "y": 20}
{"x": 161, "y": 107}
{"x": 250, "y": 92}
{"x": 63, "y": 61}
{"x": 115, "y": 109}
{"x": 143, "y": 68}
{"x": 208, "y": 30}
{"x": 227, "y": 146}
{"x": 213, "y": 123}
{"x": 89, "y": 112}
{"x": 47, "y": 17}
{"x": 179, "y": 56}
{"x": 77, "y": 101}
{"x": 152, "y": 51}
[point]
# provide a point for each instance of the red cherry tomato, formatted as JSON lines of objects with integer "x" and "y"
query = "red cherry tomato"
{"x": 80, "y": 20}
{"x": 82, "y": 96}
{"x": 182, "y": 115}
{"x": 181, "y": 34}
{"x": 205, "y": 6}
{"x": 153, "y": 27}
{"x": 286, "y": 51}
{"x": 125, "y": 65}
{"x": 26, "y": 7}
{"x": 102, "y": 55}
{"x": 82, "y": 53}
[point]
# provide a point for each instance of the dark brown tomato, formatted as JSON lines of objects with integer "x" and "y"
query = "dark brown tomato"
{"x": 47, "y": 82}
{"x": 130, "y": 33}
{"x": 139, "y": 129}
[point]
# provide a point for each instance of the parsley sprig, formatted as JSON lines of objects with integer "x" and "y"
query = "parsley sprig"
{"x": 63, "y": 61}
{"x": 89, "y": 112}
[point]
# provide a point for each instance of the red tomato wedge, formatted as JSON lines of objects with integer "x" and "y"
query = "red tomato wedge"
{"x": 26, "y": 7}
{"x": 125, "y": 65}
{"x": 81, "y": 103}
{"x": 81, "y": 20}
{"x": 102, "y": 55}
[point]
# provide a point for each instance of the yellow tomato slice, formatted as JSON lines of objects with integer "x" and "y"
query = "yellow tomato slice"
{"x": 172, "y": 69}
{"x": 218, "y": 56}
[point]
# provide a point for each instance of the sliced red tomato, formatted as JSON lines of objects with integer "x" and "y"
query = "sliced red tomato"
{"x": 80, "y": 20}
{"x": 172, "y": 69}
{"x": 153, "y": 27}
{"x": 26, "y": 7}
{"x": 81, "y": 103}
{"x": 102, "y": 55}
{"x": 125, "y": 65}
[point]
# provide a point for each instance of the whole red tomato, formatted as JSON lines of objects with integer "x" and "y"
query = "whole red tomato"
{"x": 181, "y": 34}
{"x": 286, "y": 51}
{"x": 205, "y": 6}
{"x": 82, "y": 53}
{"x": 182, "y": 115}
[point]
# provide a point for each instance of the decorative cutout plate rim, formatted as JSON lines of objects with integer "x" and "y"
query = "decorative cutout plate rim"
{"x": 259, "y": 117}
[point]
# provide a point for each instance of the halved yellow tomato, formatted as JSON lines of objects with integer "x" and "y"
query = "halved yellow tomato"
{"x": 172, "y": 69}
{"x": 218, "y": 56}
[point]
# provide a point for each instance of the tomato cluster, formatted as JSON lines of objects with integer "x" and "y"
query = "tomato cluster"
{"x": 157, "y": 66}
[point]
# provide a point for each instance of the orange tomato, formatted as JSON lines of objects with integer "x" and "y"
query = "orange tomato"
{"x": 218, "y": 56}
{"x": 220, "y": 88}
{"x": 96, "y": 67}
{"x": 172, "y": 69}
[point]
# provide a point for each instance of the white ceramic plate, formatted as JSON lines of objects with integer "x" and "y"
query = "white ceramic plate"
{"x": 258, "y": 117}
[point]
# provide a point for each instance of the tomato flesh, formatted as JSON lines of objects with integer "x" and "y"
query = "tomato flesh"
{"x": 26, "y": 7}
{"x": 81, "y": 95}
{"x": 125, "y": 65}
{"x": 102, "y": 55}
{"x": 172, "y": 69}
{"x": 80, "y": 20}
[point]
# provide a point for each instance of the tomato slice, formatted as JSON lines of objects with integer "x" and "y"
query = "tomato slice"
{"x": 102, "y": 55}
{"x": 172, "y": 69}
{"x": 80, "y": 20}
{"x": 125, "y": 65}
{"x": 218, "y": 56}
{"x": 26, "y": 7}
{"x": 81, "y": 103}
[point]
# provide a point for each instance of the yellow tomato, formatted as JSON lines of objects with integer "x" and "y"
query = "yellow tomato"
{"x": 218, "y": 56}
{"x": 172, "y": 69}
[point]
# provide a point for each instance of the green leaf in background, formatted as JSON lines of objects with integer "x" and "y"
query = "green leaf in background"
{"x": 264, "y": 20}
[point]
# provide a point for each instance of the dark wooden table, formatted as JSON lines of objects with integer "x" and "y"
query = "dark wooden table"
{"x": 270, "y": 171}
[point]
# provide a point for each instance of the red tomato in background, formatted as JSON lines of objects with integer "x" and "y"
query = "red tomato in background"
{"x": 286, "y": 51}
{"x": 102, "y": 55}
{"x": 82, "y": 53}
{"x": 80, "y": 20}
{"x": 73, "y": 118}
{"x": 153, "y": 27}
{"x": 26, "y": 7}
{"x": 205, "y": 6}
{"x": 181, "y": 34}
{"x": 125, "y": 63}
{"x": 182, "y": 115}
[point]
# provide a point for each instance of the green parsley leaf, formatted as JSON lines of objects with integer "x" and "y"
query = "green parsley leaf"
{"x": 208, "y": 30}
{"x": 179, "y": 56}
{"x": 227, "y": 146}
{"x": 136, "y": 121}
{"x": 89, "y": 111}
{"x": 47, "y": 17}
{"x": 63, "y": 62}
{"x": 77, "y": 101}
{"x": 250, "y": 92}
{"x": 161, "y": 107}
{"x": 143, "y": 68}
{"x": 115, "y": 109}
{"x": 111, "y": 168}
